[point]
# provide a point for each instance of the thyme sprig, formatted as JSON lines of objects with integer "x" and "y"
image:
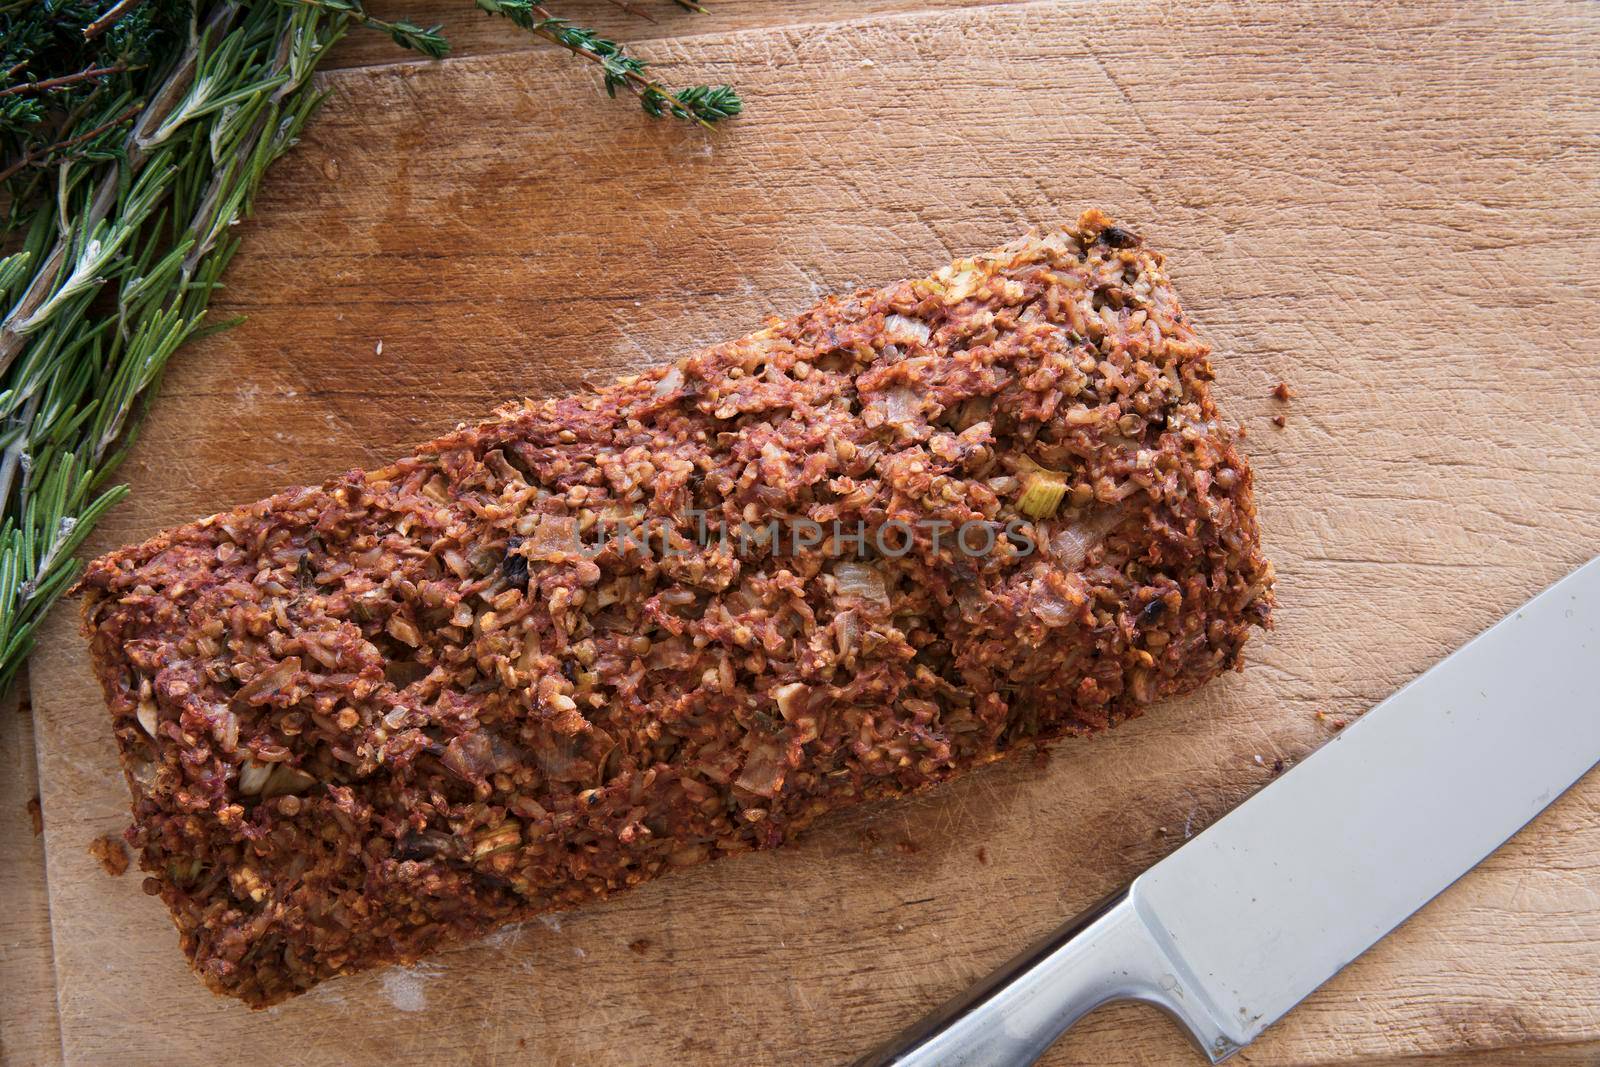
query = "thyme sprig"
{"x": 705, "y": 104}
{"x": 405, "y": 33}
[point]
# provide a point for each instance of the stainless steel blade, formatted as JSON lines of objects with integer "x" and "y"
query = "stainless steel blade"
{"x": 1280, "y": 894}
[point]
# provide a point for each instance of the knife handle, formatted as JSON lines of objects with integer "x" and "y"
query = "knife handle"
{"x": 1011, "y": 1017}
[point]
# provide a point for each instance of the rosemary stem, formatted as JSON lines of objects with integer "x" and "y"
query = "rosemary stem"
{"x": 18, "y": 448}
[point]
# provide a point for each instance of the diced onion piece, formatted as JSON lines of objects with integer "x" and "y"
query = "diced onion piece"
{"x": 224, "y": 727}
{"x": 960, "y": 279}
{"x": 670, "y": 382}
{"x": 253, "y": 775}
{"x": 437, "y": 489}
{"x": 507, "y": 835}
{"x": 456, "y": 562}
{"x": 900, "y": 329}
{"x": 861, "y": 580}
{"x": 554, "y": 535}
{"x": 469, "y": 756}
{"x": 846, "y": 633}
{"x": 1143, "y": 683}
{"x": 763, "y": 769}
{"x": 265, "y": 685}
{"x": 902, "y": 406}
{"x": 714, "y": 770}
{"x": 144, "y": 776}
{"x": 791, "y": 699}
{"x": 147, "y": 716}
{"x": 526, "y": 807}
{"x": 1071, "y": 543}
{"x": 286, "y": 779}
{"x": 403, "y": 629}
{"x": 1052, "y": 610}
{"x": 1057, "y": 598}
{"x": 672, "y": 654}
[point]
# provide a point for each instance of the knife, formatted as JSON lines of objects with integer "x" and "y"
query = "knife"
{"x": 1239, "y": 925}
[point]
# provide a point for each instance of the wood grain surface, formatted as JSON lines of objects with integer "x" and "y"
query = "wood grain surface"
{"x": 1392, "y": 209}
{"x": 30, "y": 1030}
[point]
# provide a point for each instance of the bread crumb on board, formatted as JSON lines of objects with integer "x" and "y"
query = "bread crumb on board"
{"x": 1282, "y": 391}
{"x": 111, "y": 852}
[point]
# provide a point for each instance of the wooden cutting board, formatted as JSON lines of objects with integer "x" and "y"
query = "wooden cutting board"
{"x": 1395, "y": 211}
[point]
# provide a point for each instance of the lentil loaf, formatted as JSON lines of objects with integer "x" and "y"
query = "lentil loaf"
{"x": 395, "y": 711}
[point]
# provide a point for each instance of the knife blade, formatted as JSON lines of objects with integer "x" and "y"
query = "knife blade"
{"x": 1239, "y": 925}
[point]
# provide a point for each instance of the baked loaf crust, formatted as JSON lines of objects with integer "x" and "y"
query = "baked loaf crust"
{"x": 395, "y": 711}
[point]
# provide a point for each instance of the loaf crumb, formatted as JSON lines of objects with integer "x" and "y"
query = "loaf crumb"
{"x": 111, "y": 852}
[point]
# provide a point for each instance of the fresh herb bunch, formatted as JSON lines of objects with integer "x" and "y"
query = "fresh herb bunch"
{"x": 133, "y": 135}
